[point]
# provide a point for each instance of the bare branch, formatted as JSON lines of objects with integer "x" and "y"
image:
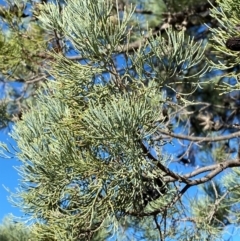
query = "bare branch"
{"x": 196, "y": 138}
{"x": 215, "y": 168}
{"x": 158, "y": 227}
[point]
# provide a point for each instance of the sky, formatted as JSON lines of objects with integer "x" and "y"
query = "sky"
{"x": 8, "y": 178}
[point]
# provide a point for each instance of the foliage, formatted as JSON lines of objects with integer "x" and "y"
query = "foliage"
{"x": 23, "y": 57}
{"x": 94, "y": 144}
{"x": 12, "y": 232}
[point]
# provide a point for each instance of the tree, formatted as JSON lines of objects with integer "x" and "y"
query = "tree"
{"x": 13, "y": 232}
{"x": 23, "y": 43}
{"x": 93, "y": 143}
{"x": 23, "y": 57}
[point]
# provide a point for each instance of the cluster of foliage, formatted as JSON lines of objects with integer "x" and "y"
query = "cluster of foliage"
{"x": 14, "y": 232}
{"x": 128, "y": 121}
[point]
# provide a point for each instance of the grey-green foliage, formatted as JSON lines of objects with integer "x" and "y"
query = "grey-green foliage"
{"x": 231, "y": 182}
{"x": 21, "y": 52}
{"x": 176, "y": 55}
{"x": 14, "y": 231}
{"x": 228, "y": 18}
{"x": 94, "y": 28}
{"x": 53, "y": 138}
{"x": 84, "y": 169}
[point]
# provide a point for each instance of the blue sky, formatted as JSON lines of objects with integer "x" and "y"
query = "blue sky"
{"x": 8, "y": 177}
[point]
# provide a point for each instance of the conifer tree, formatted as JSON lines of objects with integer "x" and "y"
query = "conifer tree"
{"x": 93, "y": 142}
{"x": 13, "y": 232}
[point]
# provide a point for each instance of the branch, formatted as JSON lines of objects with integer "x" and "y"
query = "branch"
{"x": 158, "y": 227}
{"x": 216, "y": 206}
{"x": 201, "y": 170}
{"x": 172, "y": 176}
{"x": 170, "y": 19}
{"x": 219, "y": 168}
{"x": 166, "y": 170}
{"x": 162, "y": 209}
{"x": 196, "y": 138}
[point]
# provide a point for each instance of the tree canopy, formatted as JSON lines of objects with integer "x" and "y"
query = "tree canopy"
{"x": 124, "y": 130}
{"x": 13, "y": 232}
